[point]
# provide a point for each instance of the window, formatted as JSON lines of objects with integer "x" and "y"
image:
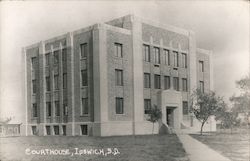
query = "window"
{"x": 64, "y": 55}
{"x": 119, "y": 105}
{"x": 201, "y": 66}
{"x": 56, "y": 83}
{"x": 118, "y": 50}
{"x": 56, "y": 57}
{"x": 56, "y": 130}
{"x": 84, "y": 129}
{"x": 184, "y": 84}
{"x": 157, "y": 55}
{"x": 48, "y": 108}
{"x": 176, "y": 83}
{"x": 64, "y": 129}
{"x": 146, "y": 80}
{"x": 166, "y": 57}
{"x": 35, "y": 110}
{"x": 84, "y": 77}
{"x": 185, "y": 107}
{"x": 84, "y": 109}
{"x": 34, "y": 130}
{"x": 147, "y": 106}
{"x": 119, "y": 77}
{"x": 202, "y": 86}
{"x": 64, "y": 80}
{"x": 83, "y": 50}
{"x": 146, "y": 53}
{"x": 167, "y": 82}
{"x": 157, "y": 81}
{"x": 33, "y": 86}
{"x": 48, "y": 130}
{"x": 33, "y": 63}
{"x": 47, "y": 83}
{"x": 176, "y": 59}
{"x": 65, "y": 109}
{"x": 57, "y": 108}
{"x": 184, "y": 60}
{"x": 47, "y": 59}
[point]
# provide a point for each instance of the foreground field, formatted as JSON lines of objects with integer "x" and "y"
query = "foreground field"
{"x": 152, "y": 147}
{"x": 235, "y": 146}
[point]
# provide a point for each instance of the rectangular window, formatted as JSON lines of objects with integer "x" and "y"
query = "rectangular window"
{"x": 56, "y": 130}
{"x": 64, "y": 55}
{"x": 56, "y": 82}
{"x": 167, "y": 82}
{"x": 84, "y": 77}
{"x": 201, "y": 66}
{"x": 119, "y": 77}
{"x": 118, "y": 50}
{"x": 33, "y": 63}
{"x": 146, "y": 53}
{"x": 176, "y": 83}
{"x": 48, "y": 108}
{"x": 119, "y": 105}
{"x": 33, "y": 86}
{"x": 176, "y": 59}
{"x": 85, "y": 107}
{"x": 48, "y": 130}
{"x": 146, "y": 80}
{"x": 157, "y": 55}
{"x": 64, "y": 129}
{"x": 184, "y": 84}
{"x": 83, "y": 50}
{"x": 157, "y": 81}
{"x": 185, "y": 107}
{"x": 56, "y": 57}
{"x": 34, "y": 130}
{"x": 147, "y": 106}
{"x": 184, "y": 60}
{"x": 65, "y": 109}
{"x": 57, "y": 108}
{"x": 166, "y": 57}
{"x": 47, "y": 59}
{"x": 34, "y": 110}
{"x": 64, "y": 80}
{"x": 84, "y": 129}
{"x": 47, "y": 83}
{"x": 202, "y": 86}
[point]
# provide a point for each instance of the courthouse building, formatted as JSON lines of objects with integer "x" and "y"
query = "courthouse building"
{"x": 103, "y": 79}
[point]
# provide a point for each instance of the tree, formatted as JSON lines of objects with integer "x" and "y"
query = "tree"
{"x": 204, "y": 105}
{"x": 154, "y": 115}
{"x": 241, "y": 103}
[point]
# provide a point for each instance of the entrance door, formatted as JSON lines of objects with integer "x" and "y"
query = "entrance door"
{"x": 170, "y": 116}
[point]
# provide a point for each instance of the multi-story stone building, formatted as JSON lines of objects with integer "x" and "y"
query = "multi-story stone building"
{"x": 103, "y": 79}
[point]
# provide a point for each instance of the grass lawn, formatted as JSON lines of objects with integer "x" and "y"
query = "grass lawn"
{"x": 136, "y": 148}
{"x": 235, "y": 146}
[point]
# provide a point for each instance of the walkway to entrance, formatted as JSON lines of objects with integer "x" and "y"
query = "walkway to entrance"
{"x": 198, "y": 151}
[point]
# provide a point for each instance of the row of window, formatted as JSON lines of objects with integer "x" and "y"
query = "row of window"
{"x": 84, "y": 108}
{"x": 167, "y": 82}
{"x": 166, "y": 56}
{"x": 55, "y": 130}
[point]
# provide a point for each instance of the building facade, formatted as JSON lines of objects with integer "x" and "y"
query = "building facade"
{"x": 103, "y": 79}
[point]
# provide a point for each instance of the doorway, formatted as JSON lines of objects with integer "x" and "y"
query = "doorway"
{"x": 170, "y": 116}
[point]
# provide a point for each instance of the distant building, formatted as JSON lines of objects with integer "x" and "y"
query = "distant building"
{"x": 9, "y": 129}
{"x": 103, "y": 79}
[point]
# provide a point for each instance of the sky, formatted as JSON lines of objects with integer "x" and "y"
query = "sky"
{"x": 220, "y": 26}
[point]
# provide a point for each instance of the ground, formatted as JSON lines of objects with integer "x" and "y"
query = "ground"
{"x": 131, "y": 148}
{"x": 235, "y": 146}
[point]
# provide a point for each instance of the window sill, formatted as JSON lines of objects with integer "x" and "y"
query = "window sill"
{"x": 120, "y": 114}
{"x": 84, "y": 58}
{"x": 85, "y": 115}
